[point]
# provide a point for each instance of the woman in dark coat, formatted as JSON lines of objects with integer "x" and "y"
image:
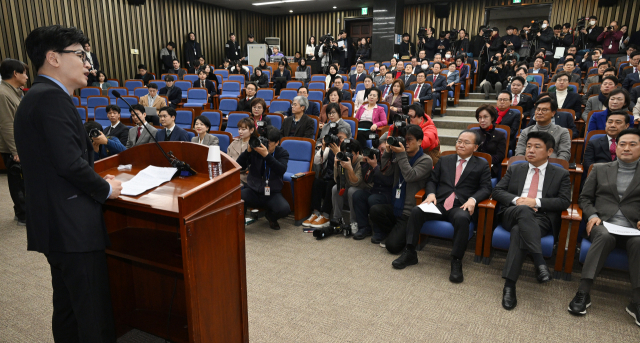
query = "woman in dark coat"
{"x": 494, "y": 142}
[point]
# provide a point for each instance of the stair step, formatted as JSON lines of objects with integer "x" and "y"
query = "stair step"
{"x": 447, "y": 148}
{"x": 480, "y": 96}
{"x": 459, "y": 123}
{"x": 475, "y": 103}
{"x": 448, "y": 136}
{"x": 460, "y": 111}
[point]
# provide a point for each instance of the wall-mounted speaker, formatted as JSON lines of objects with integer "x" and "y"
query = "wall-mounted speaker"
{"x": 442, "y": 10}
{"x": 607, "y": 3}
{"x": 136, "y": 2}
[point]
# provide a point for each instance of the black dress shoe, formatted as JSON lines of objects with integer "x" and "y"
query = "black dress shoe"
{"x": 456, "y": 271}
{"x": 543, "y": 274}
{"x": 273, "y": 223}
{"x": 408, "y": 258}
{"x": 509, "y": 300}
{"x": 633, "y": 309}
{"x": 580, "y": 303}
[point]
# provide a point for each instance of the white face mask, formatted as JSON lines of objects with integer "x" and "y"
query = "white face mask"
{"x": 376, "y": 69}
{"x": 447, "y": 56}
{"x": 544, "y": 26}
{"x": 425, "y": 66}
{"x": 593, "y": 22}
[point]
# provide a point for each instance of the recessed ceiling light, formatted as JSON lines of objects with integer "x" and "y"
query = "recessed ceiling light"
{"x": 276, "y": 2}
{"x": 290, "y": 11}
{"x": 334, "y": 7}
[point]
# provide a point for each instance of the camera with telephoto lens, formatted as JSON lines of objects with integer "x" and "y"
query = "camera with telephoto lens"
{"x": 582, "y": 23}
{"x": 332, "y": 135}
{"x": 94, "y": 133}
{"x": 326, "y": 41}
{"x": 375, "y": 139}
{"x": 536, "y": 26}
{"x": 327, "y": 231}
{"x": 255, "y": 142}
{"x": 399, "y": 131}
{"x": 405, "y": 103}
{"x": 373, "y": 151}
{"x": 345, "y": 151}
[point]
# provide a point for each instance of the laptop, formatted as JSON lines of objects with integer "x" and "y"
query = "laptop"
{"x": 301, "y": 75}
{"x": 281, "y": 79}
{"x": 150, "y": 111}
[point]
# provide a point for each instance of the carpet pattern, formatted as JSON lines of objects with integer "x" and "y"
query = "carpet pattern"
{"x": 341, "y": 290}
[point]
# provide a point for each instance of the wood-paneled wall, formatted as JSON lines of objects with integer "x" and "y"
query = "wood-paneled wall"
{"x": 470, "y": 14}
{"x": 295, "y": 30}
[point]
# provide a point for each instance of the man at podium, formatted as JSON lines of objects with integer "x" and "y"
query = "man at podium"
{"x": 64, "y": 195}
{"x": 266, "y": 165}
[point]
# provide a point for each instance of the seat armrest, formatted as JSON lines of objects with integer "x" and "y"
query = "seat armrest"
{"x": 488, "y": 204}
{"x": 420, "y": 196}
{"x": 302, "y": 184}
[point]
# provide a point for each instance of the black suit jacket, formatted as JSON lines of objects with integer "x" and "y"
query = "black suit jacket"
{"x": 425, "y": 91}
{"x": 531, "y": 89}
{"x": 597, "y": 152}
{"x": 440, "y": 84}
{"x": 121, "y": 132}
{"x": 403, "y": 77}
{"x": 354, "y": 79}
{"x": 64, "y": 194}
{"x": 474, "y": 182}
{"x": 286, "y": 74}
{"x": 563, "y": 119}
{"x": 556, "y": 191}
{"x": 494, "y": 144}
{"x": 526, "y": 102}
{"x": 174, "y": 95}
{"x": 573, "y": 101}
{"x": 244, "y": 105}
{"x": 178, "y": 134}
{"x": 382, "y": 87}
{"x": 512, "y": 120}
{"x": 304, "y": 127}
{"x": 209, "y": 85}
{"x": 630, "y": 80}
{"x": 445, "y": 43}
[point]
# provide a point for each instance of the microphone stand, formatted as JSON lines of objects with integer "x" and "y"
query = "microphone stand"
{"x": 176, "y": 163}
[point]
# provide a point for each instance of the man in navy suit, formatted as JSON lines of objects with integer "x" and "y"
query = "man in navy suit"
{"x": 313, "y": 107}
{"x": 603, "y": 149}
{"x": 632, "y": 77}
{"x": 358, "y": 76}
{"x": 385, "y": 88}
{"x": 439, "y": 83}
{"x": 421, "y": 90}
{"x": 538, "y": 63}
{"x": 171, "y": 131}
{"x": 408, "y": 76}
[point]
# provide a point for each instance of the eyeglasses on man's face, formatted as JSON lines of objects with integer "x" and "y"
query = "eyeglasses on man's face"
{"x": 80, "y": 53}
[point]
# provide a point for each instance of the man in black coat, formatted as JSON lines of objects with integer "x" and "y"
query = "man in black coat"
{"x": 117, "y": 128}
{"x": 572, "y": 101}
{"x": 592, "y": 31}
{"x": 358, "y": 76}
{"x": 232, "y": 49}
{"x": 532, "y": 197}
{"x": 511, "y": 39}
{"x": 93, "y": 61}
{"x": 602, "y": 149}
{"x": 206, "y": 84}
{"x": 245, "y": 104}
{"x": 173, "y": 93}
{"x": 519, "y": 99}
{"x": 442, "y": 44}
{"x": 421, "y": 90}
{"x": 64, "y": 195}
{"x": 457, "y": 184}
{"x": 192, "y": 51}
{"x": 346, "y": 50}
{"x": 298, "y": 124}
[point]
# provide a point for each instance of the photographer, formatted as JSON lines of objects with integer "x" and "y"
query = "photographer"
{"x": 477, "y": 43}
{"x": 511, "y": 39}
{"x": 545, "y": 39}
{"x": 411, "y": 169}
{"x": 407, "y": 49}
{"x": 496, "y": 75}
{"x": 566, "y": 35}
{"x": 267, "y": 166}
{"x": 427, "y": 42}
{"x": 333, "y": 112}
{"x": 326, "y": 52}
{"x": 347, "y": 173}
{"x": 462, "y": 44}
{"x": 430, "y": 142}
{"x": 442, "y": 44}
{"x": 591, "y": 32}
{"x": 610, "y": 39}
{"x": 102, "y": 146}
{"x": 525, "y": 42}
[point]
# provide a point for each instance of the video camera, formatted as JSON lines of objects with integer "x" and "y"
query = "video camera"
{"x": 582, "y": 24}
{"x": 326, "y": 41}
{"x": 345, "y": 151}
{"x": 453, "y": 35}
{"x": 486, "y": 34}
{"x": 332, "y": 135}
{"x": 255, "y": 142}
{"x": 536, "y": 26}
{"x": 405, "y": 103}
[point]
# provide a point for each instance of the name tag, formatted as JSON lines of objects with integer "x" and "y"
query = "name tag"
{"x": 267, "y": 190}
{"x": 398, "y": 193}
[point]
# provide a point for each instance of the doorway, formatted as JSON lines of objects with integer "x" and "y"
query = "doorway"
{"x": 358, "y": 28}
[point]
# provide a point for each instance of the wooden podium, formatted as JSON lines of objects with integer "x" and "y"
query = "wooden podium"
{"x": 177, "y": 256}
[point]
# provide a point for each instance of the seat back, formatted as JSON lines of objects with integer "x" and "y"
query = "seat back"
{"x": 359, "y": 87}
{"x": 215, "y": 117}
{"x": 315, "y": 125}
{"x": 131, "y": 85}
{"x": 112, "y": 98}
{"x": 197, "y": 94}
{"x": 267, "y": 72}
{"x": 353, "y": 122}
{"x": 100, "y": 116}
{"x": 223, "y": 73}
{"x": 124, "y": 108}
{"x": 294, "y": 84}
{"x": 276, "y": 120}
{"x": 161, "y": 84}
{"x": 232, "y": 122}
{"x": 224, "y": 139}
{"x": 86, "y": 92}
{"x": 140, "y": 91}
{"x": 76, "y": 100}
{"x": 288, "y": 94}
{"x": 318, "y": 78}
{"x": 228, "y": 105}
{"x": 184, "y": 87}
{"x": 300, "y": 155}
{"x": 537, "y": 77}
{"x": 348, "y": 104}
{"x": 184, "y": 118}
{"x": 316, "y": 95}
{"x": 266, "y": 94}
{"x": 83, "y": 113}
{"x": 191, "y": 77}
{"x": 280, "y": 105}
{"x": 230, "y": 89}
{"x": 237, "y": 77}
{"x": 96, "y": 100}
{"x": 317, "y": 85}
{"x": 163, "y": 76}
{"x": 114, "y": 82}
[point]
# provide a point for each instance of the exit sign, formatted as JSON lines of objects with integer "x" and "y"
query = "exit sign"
{"x": 365, "y": 11}
{"x": 517, "y": 1}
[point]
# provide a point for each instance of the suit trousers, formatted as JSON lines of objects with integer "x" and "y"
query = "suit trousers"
{"x": 363, "y": 201}
{"x": 527, "y": 228}
{"x": 321, "y": 196}
{"x": 16, "y": 188}
{"x": 385, "y": 223}
{"x": 82, "y": 310}
{"x": 602, "y": 243}
{"x": 488, "y": 87}
{"x": 459, "y": 218}
{"x": 338, "y": 203}
{"x": 276, "y": 205}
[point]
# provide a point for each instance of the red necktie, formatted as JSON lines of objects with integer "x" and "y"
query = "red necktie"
{"x": 515, "y": 100}
{"x": 612, "y": 149}
{"x": 434, "y": 78}
{"x": 417, "y": 95}
{"x": 448, "y": 204}
{"x": 533, "y": 189}
{"x": 386, "y": 92}
{"x": 139, "y": 129}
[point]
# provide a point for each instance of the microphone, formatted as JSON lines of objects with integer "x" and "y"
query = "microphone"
{"x": 176, "y": 163}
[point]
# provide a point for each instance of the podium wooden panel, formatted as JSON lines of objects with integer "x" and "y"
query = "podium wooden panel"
{"x": 177, "y": 257}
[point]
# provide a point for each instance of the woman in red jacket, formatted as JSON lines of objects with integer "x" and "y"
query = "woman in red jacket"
{"x": 430, "y": 141}
{"x": 370, "y": 116}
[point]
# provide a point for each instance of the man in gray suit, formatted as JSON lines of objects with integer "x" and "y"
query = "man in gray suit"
{"x": 532, "y": 196}
{"x": 138, "y": 134}
{"x": 544, "y": 111}
{"x": 612, "y": 194}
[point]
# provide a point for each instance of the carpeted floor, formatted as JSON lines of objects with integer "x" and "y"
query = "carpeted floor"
{"x": 341, "y": 290}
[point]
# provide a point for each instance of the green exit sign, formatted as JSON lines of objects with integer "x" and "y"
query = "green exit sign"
{"x": 365, "y": 11}
{"x": 517, "y": 1}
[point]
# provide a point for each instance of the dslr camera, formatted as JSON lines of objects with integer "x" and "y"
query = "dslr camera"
{"x": 332, "y": 135}
{"x": 399, "y": 131}
{"x": 345, "y": 151}
{"x": 255, "y": 142}
{"x": 94, "y": 133}
{"x": 373, "y": 151}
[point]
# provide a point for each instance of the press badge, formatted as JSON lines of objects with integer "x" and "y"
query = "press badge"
{"x": 399, "y": 191}
{"x": 267, "y": 189}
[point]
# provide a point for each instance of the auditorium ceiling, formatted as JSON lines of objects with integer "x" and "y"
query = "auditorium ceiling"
{"x": 282, "y": 7}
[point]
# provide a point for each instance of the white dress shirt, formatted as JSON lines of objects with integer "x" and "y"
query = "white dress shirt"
{"x": 527, "y": 183}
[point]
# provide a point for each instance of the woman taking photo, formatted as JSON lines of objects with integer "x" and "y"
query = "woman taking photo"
{"x": 246, "y": 129}
{"x": 333, "y": 71}
{"x": 335, "y": 96}
{"x": 303, "y": 67}
{"x": 364, "y": 52}
{"x": 202, "y": 125}
{"x": 258, "y": 109}
{"x": 261, "y": 79}
{"x": 332, "y": 111}
{"x": 362, "y": 95}
{"x": 102, "y": 82}
{"x": 494, "y": 141}
{"x": 394, "y": 99}
{"x": 370, "y": 116}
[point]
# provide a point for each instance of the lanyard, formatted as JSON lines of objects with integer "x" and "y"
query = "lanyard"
{"x": 267, "y": 172}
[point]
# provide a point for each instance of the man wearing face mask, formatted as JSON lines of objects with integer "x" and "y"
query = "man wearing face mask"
{"x": 545, "y": 37}
{"x": 592, "y": 32}
{"x": 610, "y": 39}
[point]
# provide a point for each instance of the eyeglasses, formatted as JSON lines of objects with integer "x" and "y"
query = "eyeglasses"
{"x": 80, "y": 53}
{"x": 465, "y": 143}
{"x": 503, "y": 100}
{"x": 333, "y": 113}
{"x": 543, "y": 110}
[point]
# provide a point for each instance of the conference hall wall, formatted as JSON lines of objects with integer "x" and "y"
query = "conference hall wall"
{"x": 114, "y": 27}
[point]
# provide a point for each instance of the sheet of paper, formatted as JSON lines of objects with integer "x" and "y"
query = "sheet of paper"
{"x": 559, "y": 52}
{"x": 429, "y": 208}
{"x": 146, "y": 179}
{"x": 621, "y": 230}
{"x": 340, "y": 43}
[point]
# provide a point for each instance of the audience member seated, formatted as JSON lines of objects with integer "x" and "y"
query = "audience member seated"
{"x": 385, "y": 88}
{"x": 152, "y": 99}
{"x": 597, "y": 103}
{"x": 298, "y": 124}
{"x": 453, "y": 76}
{"x": 280, "y": 77}
{"x": 411, "y": 168}
{"x": 349, "y": 179}
{"x": 333, "y": 113}
{"x": 357, "y": 76}
{"x": 246, "y": 130}
{"x": 304, "y": 68}
{"x": 627, "y": 57}
{"x": 421, "y": 90}
{"x": 602, "y": 201}
{"x": 143, "y": 74}
{"x": 258, "y": 109}
{"x": 267, "y": 166}
{"x": 321, "y": 193}
{"x": 439, "y": 83}
{"x": 171, "y": 131}
{"x": 370, "y": 116}
{"x": 602, "y": 67}
{"x": 333, "y": 73}
{"x": 103, "y": 146}
{"x": 102, "y": 82}
{"x": 496, "y": 75}
{"x": 202, "y": 125}
{"x": 618, "y": 100}
{"x": 407, "y": 77}
{"x": 631, "y": 76}
{"x": 568, "y": 70}
{"x": 591, "y": 59}
{"x": 379, "y": 74}
{"x": 563, "y": 119}
{"x": 527, "y": 87}
{"x": 138, "y": 134}
{"x": 313, "y": 108}
{"x": 177, "y": 70}
{"x": 494, "y": 141}
{"x": 116, "y": 129}
{"x": 344, "y": 94}
{"x": 225, "y": 64}
{"x": 259, "y": 78}
{"x": 564, "y": 96}
{"x": 399, "y": 70}
{"x": 361, "y": 96}
{"x": 603, "y": 148}
{"x": 519, "y": 99}
{"x": 457, "y": 184}
{"x": 334, "y": 96}
{"x": 244, "y": 105}
{"x": 173, "y": 93}
{"x": 394, "y": 99}
{"x": 238, "y": 69}
{"x": 206, "y": 84}
{"x": 545, "y": 110}
{"x": 538, "y": 63}
{"x": 532, "y": 211}
{"x": 276, "y": 55}
{"x": 508, "y": 117}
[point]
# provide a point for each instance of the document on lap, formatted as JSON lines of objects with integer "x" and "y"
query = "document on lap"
{"x": 146, "y": 179}
{"x": 621, "y": 230}
{"x": 429, "y": 208}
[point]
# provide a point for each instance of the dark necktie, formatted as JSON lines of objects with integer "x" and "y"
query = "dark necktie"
{"x": 138, "y": 135}
{"x": 167, "y": 136}
{"x": 386, "y": 91}
{"x": 612, "y": 149}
